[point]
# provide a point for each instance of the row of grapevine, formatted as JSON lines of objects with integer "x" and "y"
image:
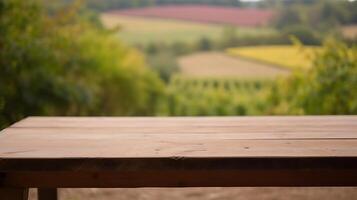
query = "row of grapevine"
{"x": 215, "y": 97}
{"x": 228, "y": 84}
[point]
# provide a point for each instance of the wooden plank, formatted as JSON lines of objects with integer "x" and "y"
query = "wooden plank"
{"x": 14, "y": 193}
{"x": 183, "y": 178}
{"x": 190, "y": 132}
{"x": 249, "y": 122}
{"x": 47, "y": 194}
{"x": 14, "y": 165}
{"x": 117, "y": 147}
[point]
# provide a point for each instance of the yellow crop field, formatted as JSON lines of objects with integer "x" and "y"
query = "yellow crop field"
{"x": 287, "y": 56}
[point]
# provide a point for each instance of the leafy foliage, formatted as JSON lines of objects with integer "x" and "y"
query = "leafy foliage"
{"x": 322, "y": 15}
{"x": 304, "y": 34}
{"x": 61, "y": 64}
{"x": 164, "y": 63}
{"x": 330, "y": 87}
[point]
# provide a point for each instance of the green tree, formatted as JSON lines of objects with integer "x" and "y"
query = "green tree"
{"x": 329, "y": 88}
{"x": 229, "y": 36}
{"x": 204, "y": 44}
{"x": 164, "y": 63}
{"x": 59, "y": 63}
{"x": 303, "y": 33}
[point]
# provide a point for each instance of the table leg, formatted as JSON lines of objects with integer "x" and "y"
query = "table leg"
{"x": 47, "y": 194}
{"x": 14, "y": 193}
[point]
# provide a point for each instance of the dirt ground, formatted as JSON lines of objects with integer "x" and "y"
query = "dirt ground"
{"x": 208, "y": 194}
{"x": 350, "y": 31}
{"x": 215, "y": 64}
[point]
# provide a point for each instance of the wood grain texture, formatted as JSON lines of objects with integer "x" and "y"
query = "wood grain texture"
{"x": 106, "y": 137}
{"x": 250, "y": 123}
{"x": 180, "y": 152}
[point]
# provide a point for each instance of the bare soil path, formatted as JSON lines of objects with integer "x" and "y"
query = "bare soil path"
{"x": 215, "y": 64}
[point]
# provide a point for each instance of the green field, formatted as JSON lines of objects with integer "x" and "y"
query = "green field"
{"x": 138, "y": 30}
{"x": 215, "y": 96}
{"x": 290, "y": 57}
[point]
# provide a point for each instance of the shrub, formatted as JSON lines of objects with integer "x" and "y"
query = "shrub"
{"x": 329, "y": 88}
{"x": 61, "y": 64}
{"x": 164, "y": 63}
{"x": 306, "y": 35}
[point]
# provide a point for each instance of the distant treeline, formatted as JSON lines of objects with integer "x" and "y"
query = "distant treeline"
{"x": 322, "y": 15}
{"x": 122, "y": 4}
{"x": 318, "y": 14}
{"x": 100, "y": 5}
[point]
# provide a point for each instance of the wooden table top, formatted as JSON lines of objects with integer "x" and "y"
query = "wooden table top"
{"x": 60, "y": 137}
{"x": 180, "y": 143}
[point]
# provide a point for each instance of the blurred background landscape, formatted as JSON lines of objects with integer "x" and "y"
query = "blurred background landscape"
{"x": 179, "y": 58}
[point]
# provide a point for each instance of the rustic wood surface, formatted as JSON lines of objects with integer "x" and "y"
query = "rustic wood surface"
{"x": 179, "y": 152}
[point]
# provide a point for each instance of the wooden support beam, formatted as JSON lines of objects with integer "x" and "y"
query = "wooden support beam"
{"x": 47, "y": 194}
{"x": 14, "y": 193}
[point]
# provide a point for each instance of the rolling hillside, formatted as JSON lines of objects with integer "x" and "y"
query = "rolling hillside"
{"x": 141, "y": 30}
{"x": 205, "y": 14}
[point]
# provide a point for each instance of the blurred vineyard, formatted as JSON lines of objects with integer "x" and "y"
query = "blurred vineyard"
{"x": 60, "y": 59}
{"x": 215, "y": 96}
